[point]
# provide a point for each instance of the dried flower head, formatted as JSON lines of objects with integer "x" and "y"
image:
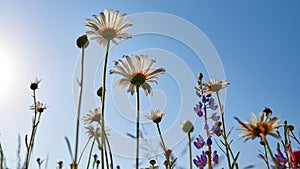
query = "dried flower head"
{"x": 40, "y": 107}
{"x": 108, "y": 26}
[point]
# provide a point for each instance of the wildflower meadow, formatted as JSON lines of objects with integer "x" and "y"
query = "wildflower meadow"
{"x": 135, "y": 84}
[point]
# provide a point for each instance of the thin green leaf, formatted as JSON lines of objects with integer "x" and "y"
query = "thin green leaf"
{"x": 69, "y": 148}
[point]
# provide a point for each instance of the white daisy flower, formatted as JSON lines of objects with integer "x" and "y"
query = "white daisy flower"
{"x": 136, "y": 71}
{"x": 108, "y": 26}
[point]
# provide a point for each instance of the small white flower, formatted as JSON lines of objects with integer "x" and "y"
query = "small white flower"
{"x": 215, "y": 85}
{"x": 155, "y": 116}
{"x": 187, "y": 126}
{"x": 92, "y": 116}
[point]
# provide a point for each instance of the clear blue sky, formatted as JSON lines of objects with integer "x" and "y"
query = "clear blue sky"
{"x": 257, "y": 41}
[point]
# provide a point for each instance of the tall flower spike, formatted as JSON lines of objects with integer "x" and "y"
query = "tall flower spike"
{"x": 135, "y": 70}
{"x": 108, "y": 26}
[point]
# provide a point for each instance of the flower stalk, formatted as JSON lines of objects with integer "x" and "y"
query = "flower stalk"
{"x": 82, "y": 43}
{"x": 225, "y": 137}
{"x": 103, "y": 102}
{"x": 137, "y": 125}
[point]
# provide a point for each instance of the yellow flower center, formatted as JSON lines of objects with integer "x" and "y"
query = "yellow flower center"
{"x": 138, "y": 78}
{"x": 215, "y": 87}
{"x": 108, "y": 33}
{"x": 261, "y": 129}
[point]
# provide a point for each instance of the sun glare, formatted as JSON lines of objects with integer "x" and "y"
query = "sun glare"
{"x": 5, "y": 72}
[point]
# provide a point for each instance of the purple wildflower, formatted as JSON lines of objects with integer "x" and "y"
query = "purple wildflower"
{"x": 215, "y": 117}
{"x": 201, "y": 161}
{"x": 212, "y": 104}
{"x": 198, "y": 109}
{"x": 215, "y": 157}
{"x": 280, "y": 160}
{"x": 209, "y": 141}
{"x": 204, "y": 100}
{"x": 216, "y": 130}
{"x": 199, "y": 143}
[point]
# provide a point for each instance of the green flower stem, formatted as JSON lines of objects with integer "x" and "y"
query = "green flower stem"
{"x": 83, "y": 150}
{"x": 227, "y": 146}
{"x": 190, "y": 150}
{"x": 284, "y": 145}
{"x": 79, "y": 106}
{"x": 295, "y": 138}
{"x": 110, "y": 152}
{"x": 266, "y": 156}
{"x": 137, "y": 125}
{"x": 103, "y": 102}
{"x": 105, "y": 152}
{"x": 90, "y": 154}
{"x": 270, "y": 152}
{"x": 161, "y": 138}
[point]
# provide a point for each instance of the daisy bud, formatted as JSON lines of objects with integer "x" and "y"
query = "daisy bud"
{"x": 34, "y": 85}
{"x": 99, "y": 91}
{"x": 82, "y": 42}
{"x": 152, "y": 162}
{"x": 200, "y": 76}
{"x": 291, "y": 127}
{"x": 268, "y": 111}
{"x": 187, "y": 126}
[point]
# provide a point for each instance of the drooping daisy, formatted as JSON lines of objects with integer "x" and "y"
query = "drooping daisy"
{"x": 92, "y": 116}
{"x": 214, "y": 85}
{"x": 259, "y": 127}
{"x": 136, "y": 71}
{"x": 155, "y": 115}
{"x": 108, "y": 26}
